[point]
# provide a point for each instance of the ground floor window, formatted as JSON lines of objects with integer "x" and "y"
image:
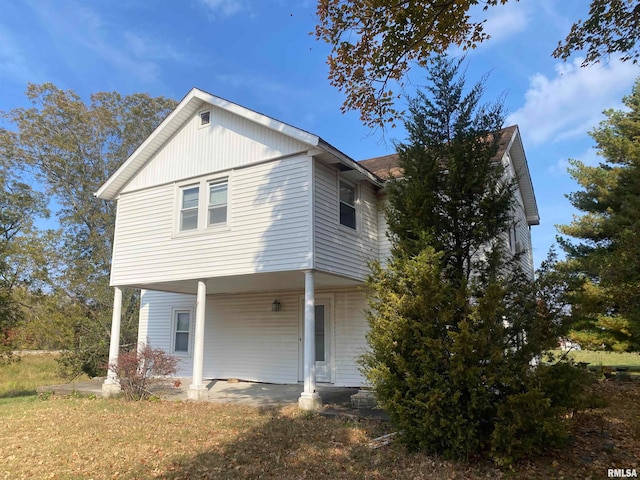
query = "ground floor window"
{"x": 182, "y": 327}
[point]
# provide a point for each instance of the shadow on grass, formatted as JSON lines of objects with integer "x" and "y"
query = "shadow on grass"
{"x": 286, "y": 446}
{"x": 19, "y": 393}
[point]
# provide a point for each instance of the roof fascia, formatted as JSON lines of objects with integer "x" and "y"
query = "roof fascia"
{"x": 524, "y": 177}
{"x": 351, "y": 163}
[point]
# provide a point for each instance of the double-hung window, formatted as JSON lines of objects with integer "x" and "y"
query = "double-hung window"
{"x": 189, "y": 208}
{"x": 347, "y": 205}
{"x": 204, "y": 204}
{"x": 217, "y": 214}
{"x": 182, "y": 330}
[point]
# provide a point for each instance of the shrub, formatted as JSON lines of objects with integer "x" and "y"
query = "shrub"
{"x": 139, "y": 371}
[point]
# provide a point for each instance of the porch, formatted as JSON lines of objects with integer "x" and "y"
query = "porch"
{"x": 336, "y": 400}
{"x": 254, "y": 337}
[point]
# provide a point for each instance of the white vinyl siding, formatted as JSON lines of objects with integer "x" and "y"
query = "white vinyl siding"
{"x": 269, "y": 229}
{"x": 244, "y": 339}
{"x": 338, "y": 249}
{"x": 384, "y": 245}
{"x": 350, "y": 327}
{"x": 229, "y": 141}
{"x": 520, "y": 233}
{"x": 523, "y": 236}
{"x": 156, "y": 325}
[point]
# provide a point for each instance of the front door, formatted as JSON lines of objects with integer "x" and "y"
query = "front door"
{"x": 323, "y": 336}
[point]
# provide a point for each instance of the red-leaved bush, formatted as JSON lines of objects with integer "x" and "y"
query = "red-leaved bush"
{"x": 139, "y": 371}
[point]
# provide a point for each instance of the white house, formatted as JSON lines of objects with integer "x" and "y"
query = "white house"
{"x": 250, "y": 241}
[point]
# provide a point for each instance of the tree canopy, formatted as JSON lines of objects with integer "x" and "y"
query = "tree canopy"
{"x": 71, "y": 147}
{"x": 22, "y": 254}
{"x": 375, "y": 42}
{"x": 603, "y": 255}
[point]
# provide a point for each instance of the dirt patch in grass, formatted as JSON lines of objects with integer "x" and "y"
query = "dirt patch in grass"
{"x": 96, "y": 438}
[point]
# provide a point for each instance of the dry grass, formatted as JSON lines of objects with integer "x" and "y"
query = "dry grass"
{"x": 78, "y": 438}
{"x": 96, "y": 438}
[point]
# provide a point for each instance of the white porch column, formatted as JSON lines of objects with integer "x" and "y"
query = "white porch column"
{"x": 111, "y": 385}
{"x": 310, "y": 398}
{"x": 197, "y": 390}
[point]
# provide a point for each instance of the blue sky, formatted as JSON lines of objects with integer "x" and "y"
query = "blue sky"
{"x": 259, "y": 53}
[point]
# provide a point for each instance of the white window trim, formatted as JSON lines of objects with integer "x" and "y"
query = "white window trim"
{"x": 356, "y": 190}
{"x": 174, "y": 326}
{"x": 203, "y": 204}
{"x": 200, "y": 113}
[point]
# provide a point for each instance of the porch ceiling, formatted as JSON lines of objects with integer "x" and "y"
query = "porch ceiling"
{"x": 257, "y": 282}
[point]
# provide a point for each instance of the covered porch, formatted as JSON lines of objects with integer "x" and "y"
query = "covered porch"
{"x": 215, "y": 296}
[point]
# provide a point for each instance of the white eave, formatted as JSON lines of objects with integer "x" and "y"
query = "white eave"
{"x": 516, "y": 150}
{"x": 188, "y": 107}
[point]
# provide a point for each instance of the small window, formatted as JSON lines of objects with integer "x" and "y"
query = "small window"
{"x": 320, "y": 333}
{"x": 182, "y": 329}
{"x": 205, "y": 118}
{"x": 218, "y": 202}
{"x": 347, "y": 205}
{"x": 189, "y": 208}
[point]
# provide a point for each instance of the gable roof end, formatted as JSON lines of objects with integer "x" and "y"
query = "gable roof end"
{"x": 187, "y": 107}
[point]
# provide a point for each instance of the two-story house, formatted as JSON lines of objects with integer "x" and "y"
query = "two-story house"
{"x": 250, "y": 241}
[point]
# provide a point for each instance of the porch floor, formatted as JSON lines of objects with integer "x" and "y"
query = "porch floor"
{"x": 336, "y": 400}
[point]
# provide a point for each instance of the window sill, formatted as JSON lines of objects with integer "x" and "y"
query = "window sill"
{"x": 182, "y": 354}
{"x": 348, "y": 230}
{"x": 201, "y": 231}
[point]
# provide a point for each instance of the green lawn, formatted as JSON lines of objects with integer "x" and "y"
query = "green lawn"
{"x": 605, "y": 359}
{"x": 20, "y": 379}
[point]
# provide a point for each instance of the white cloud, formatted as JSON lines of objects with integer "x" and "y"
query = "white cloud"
{"x": 501, "y": 22}
{"x": 143, "y": 47}
{"x": 504, "y": 21}
{"x": 85, "y": 38}
{"x": 589, "y": 157}
{"x": 224, "y": 8}
{"x": 571, "y": 103}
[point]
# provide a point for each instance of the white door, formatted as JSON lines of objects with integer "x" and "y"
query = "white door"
{"x": 323, "y": 336}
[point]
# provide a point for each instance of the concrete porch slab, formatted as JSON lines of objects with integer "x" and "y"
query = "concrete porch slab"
{"x": 335, "y": 400}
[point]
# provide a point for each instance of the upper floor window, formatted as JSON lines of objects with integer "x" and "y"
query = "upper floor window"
{"x": 189, "y": 208}
{"x": 218, "y": 202}
{"x": 203, "y": 204}
{"x": 347, "y": 205}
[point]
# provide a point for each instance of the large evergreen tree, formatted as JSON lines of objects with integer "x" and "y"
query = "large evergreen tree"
{"x": 603, "y": 260}
{"x": 71, "y": 147}
{"x": 454, "y": 322}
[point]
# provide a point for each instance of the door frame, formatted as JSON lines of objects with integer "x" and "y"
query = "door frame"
{"x": 327, "y": 300}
